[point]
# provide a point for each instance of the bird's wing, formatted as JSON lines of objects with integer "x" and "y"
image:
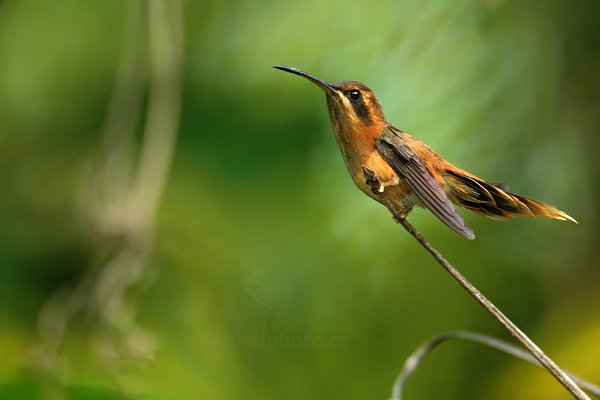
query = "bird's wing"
{"x": 411, "y": 168}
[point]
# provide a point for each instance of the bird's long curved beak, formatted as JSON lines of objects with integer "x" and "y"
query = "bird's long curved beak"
{"x": 327, "y": 87}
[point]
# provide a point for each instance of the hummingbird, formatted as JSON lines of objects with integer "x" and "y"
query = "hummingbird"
{"x": 400, "y": 172}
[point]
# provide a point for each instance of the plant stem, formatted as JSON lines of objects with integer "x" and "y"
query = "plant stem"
{"x": 514, "y": 330}
{"x": 413, "y": 362}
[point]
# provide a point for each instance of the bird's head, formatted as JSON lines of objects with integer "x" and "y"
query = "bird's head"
{"x": 352, "y": 105}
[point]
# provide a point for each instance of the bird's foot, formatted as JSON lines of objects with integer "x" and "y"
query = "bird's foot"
{"x": 399, "y": 217}
{"x": 372, "y": 180}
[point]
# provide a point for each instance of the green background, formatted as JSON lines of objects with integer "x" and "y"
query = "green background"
{"x": 270, "y": 275}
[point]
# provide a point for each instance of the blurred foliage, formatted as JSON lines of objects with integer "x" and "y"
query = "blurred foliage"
{"x": 270, "y": 275}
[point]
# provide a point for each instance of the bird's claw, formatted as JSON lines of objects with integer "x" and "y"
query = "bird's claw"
{"x": 399, "y": 217}
{"x": 372, "y": 180}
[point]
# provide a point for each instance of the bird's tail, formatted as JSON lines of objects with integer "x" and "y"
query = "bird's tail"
{"x": 494, "y": 200}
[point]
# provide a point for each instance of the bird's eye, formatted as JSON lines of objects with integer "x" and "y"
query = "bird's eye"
{"x": 354, "y": 95}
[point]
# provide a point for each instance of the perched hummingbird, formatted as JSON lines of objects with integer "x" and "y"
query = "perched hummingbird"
{"x": 400, "y": 172}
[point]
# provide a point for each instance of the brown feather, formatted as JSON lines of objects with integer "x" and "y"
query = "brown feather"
{"x": 491, "y": 200}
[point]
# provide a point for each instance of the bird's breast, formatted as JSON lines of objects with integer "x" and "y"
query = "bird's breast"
{"x": 358, "y": 150}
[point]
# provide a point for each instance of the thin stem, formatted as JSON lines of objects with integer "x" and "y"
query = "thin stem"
{"x": 415, "y": 359}
{"x": 121, "y": 197}
{"x": 166, "y": 40}
{"x": 514, "y": 330}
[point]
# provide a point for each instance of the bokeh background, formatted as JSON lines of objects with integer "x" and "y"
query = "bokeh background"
{"x": 177, "y": 222}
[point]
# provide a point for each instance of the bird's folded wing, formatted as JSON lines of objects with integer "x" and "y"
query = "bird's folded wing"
{"x": 411, "y": 168}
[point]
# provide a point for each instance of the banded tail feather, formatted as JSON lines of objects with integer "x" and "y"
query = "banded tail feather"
{"x": 495, "y": 201}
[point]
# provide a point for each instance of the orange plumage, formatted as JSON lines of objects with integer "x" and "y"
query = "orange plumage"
{"x": 399, "y": 171}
